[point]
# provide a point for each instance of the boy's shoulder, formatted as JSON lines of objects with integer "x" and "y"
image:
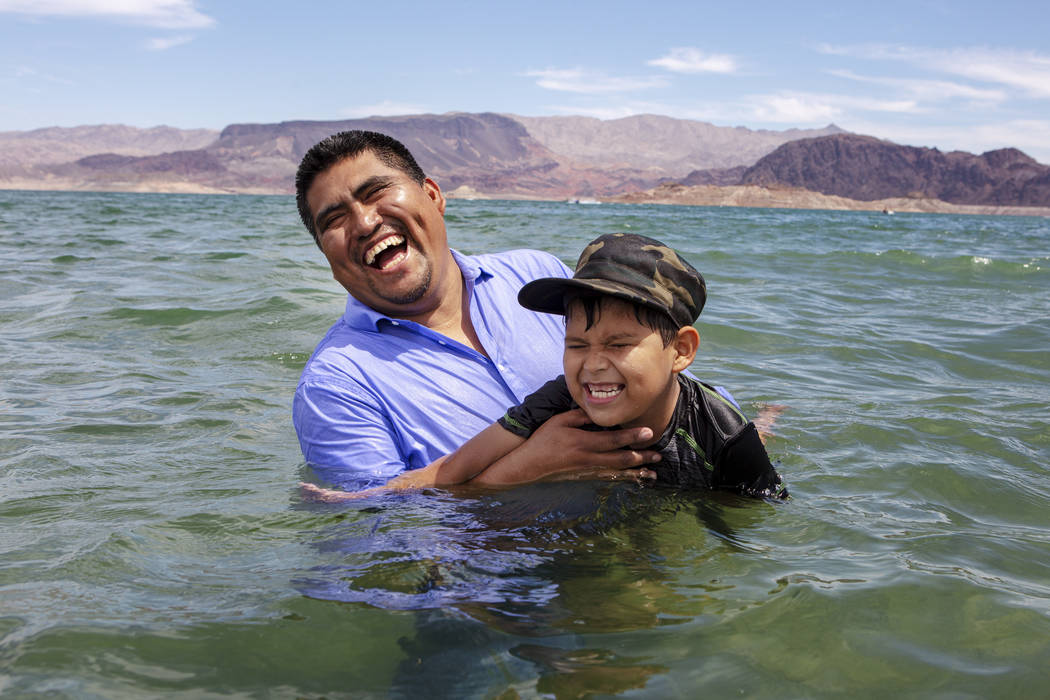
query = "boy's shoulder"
{"x": 713, "y": 404}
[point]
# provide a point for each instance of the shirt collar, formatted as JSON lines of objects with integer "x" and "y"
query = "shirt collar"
{"x": 362, "y": 317}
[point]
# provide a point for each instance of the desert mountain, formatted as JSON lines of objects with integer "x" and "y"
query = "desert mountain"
{"x": 53, "y": 145}
{"x": 866, "y": 168}
{"x": 672, "y": 147}
{"x": 504, "y": 154}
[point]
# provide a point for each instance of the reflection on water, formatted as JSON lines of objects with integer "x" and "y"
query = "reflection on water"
{"x": 557, "y": 561}
{"x": 530, "y": 546}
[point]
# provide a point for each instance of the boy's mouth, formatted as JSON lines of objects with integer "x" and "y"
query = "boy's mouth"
{"x": 386, "y": 253}
{"x": 603, "y": 392}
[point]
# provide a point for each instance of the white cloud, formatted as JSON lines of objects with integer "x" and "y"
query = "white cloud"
{"x": 165, "y": 43}
{"x": 33, "y": 76}
{"x": 386, "y": 108}
{"x": 620, "y": 111}
{"x": 933, "y": 90}
{"x": 1024, "y": 70}
{"x": 809, "y": 108}
{"x": 1028, "y": 71}
{"x": 168, "y": 14}
{"x": 591, "y": 83}
{"x": 794, "y": 109}
{"x": 690, "y": 60}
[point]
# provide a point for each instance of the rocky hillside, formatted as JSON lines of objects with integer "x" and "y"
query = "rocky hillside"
{"x": 865, "y": 168}
{"x": 493, "y": 153}
{"x": 27, "y": 149}
{"x": 662, "y": 145}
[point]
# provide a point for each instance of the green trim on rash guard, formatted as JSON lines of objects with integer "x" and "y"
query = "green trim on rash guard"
{"x": 513, "y": 423}
{"x": 680, "y": 432}
{"x": 711, "y": 392}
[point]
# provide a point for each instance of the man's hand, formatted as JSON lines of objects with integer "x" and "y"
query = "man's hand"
{"x": 312, "y": 492}
{"x": 411, "y": 480}
{"x": 561, "y": 447}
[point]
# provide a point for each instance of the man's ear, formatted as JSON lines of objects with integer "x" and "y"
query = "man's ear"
{"x": 685, "y": 344}
{"x": 434, "y": 192}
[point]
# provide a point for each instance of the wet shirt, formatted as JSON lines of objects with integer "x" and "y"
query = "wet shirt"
{"x": 382, "y": 395}
{"x": 709, "y": 443}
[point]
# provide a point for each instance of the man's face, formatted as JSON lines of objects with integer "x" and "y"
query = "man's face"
{"x": 618, "y": 370}
{"x": 383, "y": 234}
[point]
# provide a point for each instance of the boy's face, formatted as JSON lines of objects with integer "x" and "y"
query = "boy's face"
{"x": 618, "y": 370}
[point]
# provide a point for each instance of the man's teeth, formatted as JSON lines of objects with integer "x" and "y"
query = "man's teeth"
{"x": 604, "y": 392}
{"x": 370, "y": 256}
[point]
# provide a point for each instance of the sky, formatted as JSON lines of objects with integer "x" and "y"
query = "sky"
{"x": 955, "y": 75}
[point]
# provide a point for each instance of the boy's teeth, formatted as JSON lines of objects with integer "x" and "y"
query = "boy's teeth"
{"x": 604, "y": 392}
{"x": 370, "y": 256}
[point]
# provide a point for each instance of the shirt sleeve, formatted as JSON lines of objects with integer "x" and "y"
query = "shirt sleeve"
{"x": 743, "y": 465}
{"x": 550, "y": 399}
{"x": 346, "y": 439}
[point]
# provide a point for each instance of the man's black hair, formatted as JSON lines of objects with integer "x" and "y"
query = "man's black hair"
{"x": 653, "y": 319}
{"x": 347, "y": 144}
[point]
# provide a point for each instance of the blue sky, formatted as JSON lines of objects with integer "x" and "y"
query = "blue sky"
{"x": 954, "y": 75}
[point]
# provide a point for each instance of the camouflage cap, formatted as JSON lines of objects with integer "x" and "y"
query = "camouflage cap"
{"x": 630, "y": 267}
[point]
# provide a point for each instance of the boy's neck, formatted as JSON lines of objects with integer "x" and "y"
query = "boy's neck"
{"x": 659, "y": 415}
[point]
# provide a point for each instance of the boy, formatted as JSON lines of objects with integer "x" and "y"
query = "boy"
{"x": 629, "y": 311}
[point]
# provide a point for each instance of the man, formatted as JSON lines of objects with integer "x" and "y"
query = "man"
{"x": 433, "y": 345}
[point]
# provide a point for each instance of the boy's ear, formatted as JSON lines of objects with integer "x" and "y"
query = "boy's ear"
{"x": 686, "y": 343}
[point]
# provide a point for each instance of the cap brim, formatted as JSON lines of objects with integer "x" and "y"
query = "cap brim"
{"x": 548, "y": 294}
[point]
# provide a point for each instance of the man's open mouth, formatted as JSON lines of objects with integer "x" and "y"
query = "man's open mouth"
{"x": 386, "y": 252}
{"x": 604, "y": 391}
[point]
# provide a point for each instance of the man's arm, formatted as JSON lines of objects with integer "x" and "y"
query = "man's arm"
{"x": 345, "y": 437}
{"x": 482, "y": 450}
{"x": 498, "y": 457}
{"x": 560, "y": 448}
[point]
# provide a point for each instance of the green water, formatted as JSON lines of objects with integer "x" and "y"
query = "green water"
{"x": 153, "y": 543}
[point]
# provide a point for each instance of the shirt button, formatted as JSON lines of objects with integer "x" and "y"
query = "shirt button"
{"x": 395, "y": 323}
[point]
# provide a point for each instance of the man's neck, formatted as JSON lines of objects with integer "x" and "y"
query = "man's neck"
{"x": 451, "y": 317}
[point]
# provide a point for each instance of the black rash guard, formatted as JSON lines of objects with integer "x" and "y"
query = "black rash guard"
{"x": 709, "y": 443}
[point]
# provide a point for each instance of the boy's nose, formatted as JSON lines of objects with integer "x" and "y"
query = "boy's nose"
{"x": 595, "y": 361}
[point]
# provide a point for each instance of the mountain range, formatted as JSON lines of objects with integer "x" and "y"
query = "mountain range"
{"x": 546, "y": 157}
{"x": 526, "y": 157}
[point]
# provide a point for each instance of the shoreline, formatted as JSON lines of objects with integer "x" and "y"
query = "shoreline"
{"x": 774, "y": 198}
{"x": 671, "y": 194}
{"x": 796, "y": 198}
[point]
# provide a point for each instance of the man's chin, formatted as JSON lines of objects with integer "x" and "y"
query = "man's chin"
{"x": 407, "y": 299}
{"x": 404, "y": 297}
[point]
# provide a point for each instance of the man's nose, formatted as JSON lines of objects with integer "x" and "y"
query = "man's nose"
{"x": 366, "y": 218}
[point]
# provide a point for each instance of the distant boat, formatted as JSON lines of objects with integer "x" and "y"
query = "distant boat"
{"x": 582, "y": 201}
{"x": 888, "y": 211}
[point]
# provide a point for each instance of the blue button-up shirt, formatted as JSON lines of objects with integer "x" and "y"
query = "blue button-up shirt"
{"x": 381, "y": 395}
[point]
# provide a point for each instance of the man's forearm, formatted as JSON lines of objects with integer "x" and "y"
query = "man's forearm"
{"x": 560, "y": 448}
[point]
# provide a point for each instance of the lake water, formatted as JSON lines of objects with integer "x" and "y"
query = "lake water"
{"x": 153, "y": 541}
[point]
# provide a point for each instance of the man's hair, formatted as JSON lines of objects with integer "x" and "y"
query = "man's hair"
{"x": 347, "y": 144}
{"x": 653, "y": 319}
